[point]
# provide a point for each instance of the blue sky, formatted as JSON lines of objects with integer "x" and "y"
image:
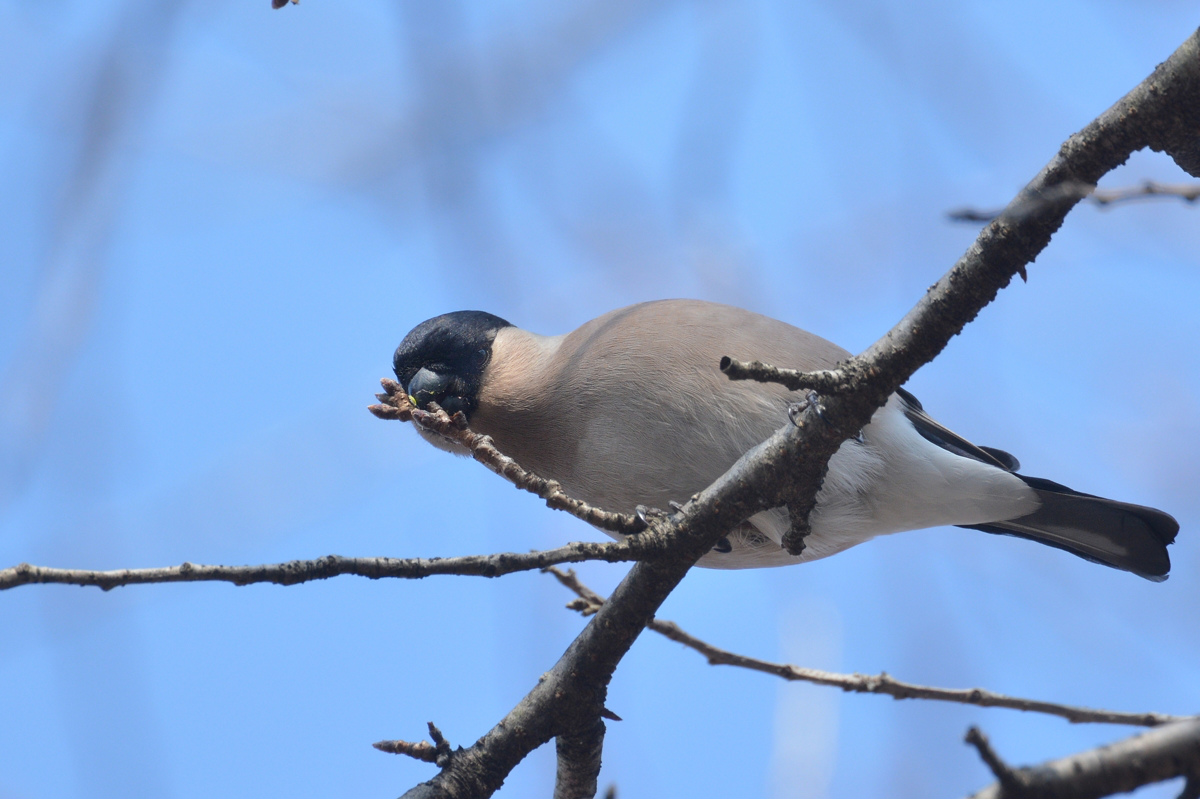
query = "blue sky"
{"x": 217, "y": 221}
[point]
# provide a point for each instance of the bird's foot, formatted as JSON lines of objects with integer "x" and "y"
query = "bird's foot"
{"x": 812, "y": 401}
{"x": 645, "y": 514}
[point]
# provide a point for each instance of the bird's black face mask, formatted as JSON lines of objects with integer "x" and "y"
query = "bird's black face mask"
{"x": 452, "y": 390}
{"x": 442, "y": 360}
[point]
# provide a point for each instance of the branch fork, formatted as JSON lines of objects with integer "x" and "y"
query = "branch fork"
{"x": 438, "y": 752}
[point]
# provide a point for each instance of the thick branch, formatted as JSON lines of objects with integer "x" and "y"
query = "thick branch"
{"x": 579, "y": 762}
{"x": 571, "y": 696}
{"x": 789, "y": 467}
{"x": 1162, "y": 112}
{"x": 589, "y": 602}
{"x": 1161, "y": 754}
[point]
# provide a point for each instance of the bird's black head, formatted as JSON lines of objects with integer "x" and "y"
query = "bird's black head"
{"x": 442, "y": 359}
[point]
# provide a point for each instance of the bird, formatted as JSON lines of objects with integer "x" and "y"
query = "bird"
{"x": 630, "y": 410}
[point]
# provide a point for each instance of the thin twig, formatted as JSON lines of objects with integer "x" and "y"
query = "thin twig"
{"x": 826, "y": 380}
{"x": 437, "y": 752}
{"x": 302, "y": 571}
{"x": 1011, "y": 780}
{"x": 1162, "y": 112}
{"x": 394, "y": 404}
{"x": 441, "y": 747}
{"x": 1150, "y": 190}
{"x": 589, "y": 602}
{"x": 422, "y": 750}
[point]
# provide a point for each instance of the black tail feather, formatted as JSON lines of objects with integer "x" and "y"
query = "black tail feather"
{"x": 1133, "y": 538}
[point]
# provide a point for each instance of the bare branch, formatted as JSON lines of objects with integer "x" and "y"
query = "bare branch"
{"x": 788, "y": 468}
{"x": 589, "y": 602}
{"x": 1010, "y": 780}
{"x": 1149, "y": 190}
{"x": 572, "y": 694}
{"x": 437, "y": 752}
{"x": 395, "y": 404}
{"x": 1170, "y": 751}
{"x": 828, "y": 380}
{"x": 579, "y": 762}
{"x": 422, "y": 750}
{"x": 441, "y": 746}
{"x": 1162, "y": 112}
{"x": 303, "y": 571}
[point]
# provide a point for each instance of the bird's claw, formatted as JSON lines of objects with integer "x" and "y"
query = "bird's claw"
{"x": 645, "y": 513}
{"x": 811, "y": 401}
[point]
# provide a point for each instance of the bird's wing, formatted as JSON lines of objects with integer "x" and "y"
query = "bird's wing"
{"x": 947, "y": 439}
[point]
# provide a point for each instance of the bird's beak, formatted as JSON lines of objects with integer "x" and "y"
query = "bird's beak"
{"x": 427, "y": 386}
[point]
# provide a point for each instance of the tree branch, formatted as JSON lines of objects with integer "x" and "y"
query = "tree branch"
{"x": 1162, "y": 112}
{"x": 438, "y": 752}
{"x": 1008, "y": 779}
{"x": 1170, "y": 751}
{"x": 579, "y": 762}
{"x": 395, "y": 404}
{"x": 571, "y": 695}
{"x": 788, "y": 468}
{"x": 589, "y": 602}
{"x": 1148, "y": 190}
{"x": 303, "y": 571}
{"x": 422, "y": 750}
{"x": 827, "y": 380}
